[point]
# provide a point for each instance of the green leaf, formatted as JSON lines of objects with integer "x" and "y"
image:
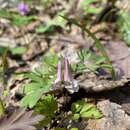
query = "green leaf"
{"x": 34, "y": 77}
{"x": 31, "y": 99}
{"x": 86, "y": 107}
{"x": 92, "y": 113}
{"x": 48, "y": 107}
{"x": 33, "y": 94}
{"x": 74, "y": 129}
{"x": 48, "y": 103}
{"x": 5, "y": 14}
{"x": 41, "y": 81}
{"x": 93, "y": 10}
{"x": 77, "y": 106}
{"x": 19, "y": 20}
{"x": 18, "y": 50}
{"x": 2, "y": 50}
{"x": 51, "y": 24}
{"x": 50, "y": 59}
{"x": 95, "y": 62}
{"x": 45, "y": 28}
{"x": 76, "y": 116}
{"x": 46, "y": 121}
{"x": 84, "y": 110}
{"x": 60, "y": 129}
{"x": 59, "y": 21}
{"x": 87, "y": 6}
{"x": 124, "y": 25}
{"x": 31, "y": 87}
{"x": 88, "y": 2}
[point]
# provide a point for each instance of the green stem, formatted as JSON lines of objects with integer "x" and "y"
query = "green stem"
{"x": 98, "y": 45}
{"x": 2, "y": 110}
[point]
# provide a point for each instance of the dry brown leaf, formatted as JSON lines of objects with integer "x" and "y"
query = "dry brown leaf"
{"x": 20, "y": 120}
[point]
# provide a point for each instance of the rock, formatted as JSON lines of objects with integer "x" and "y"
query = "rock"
{"x": 120, "y": 55}
{"x": 114, "y": 118}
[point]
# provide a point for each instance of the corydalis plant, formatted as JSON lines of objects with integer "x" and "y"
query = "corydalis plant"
{"x": 23, "y": 8}
{"x": 41, "y": 80}
{"x": 69, "y": 82}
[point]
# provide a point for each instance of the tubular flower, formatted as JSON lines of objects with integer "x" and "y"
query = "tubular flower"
{"x": 67, "y": 71}
{"x": 59, "y": 71}
{"x": 70, "y": 84}
{"x": 23, "y": 8}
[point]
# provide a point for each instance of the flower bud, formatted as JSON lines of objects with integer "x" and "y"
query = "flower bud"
{"x": 59, "y": 71}
{"x": 67, "y": 71}
{"x": 70, "y": 84}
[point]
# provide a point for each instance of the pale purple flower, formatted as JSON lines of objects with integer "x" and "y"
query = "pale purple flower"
{"x": 59, "y": 71}
{"x": 70, "y": 83}
{"x": 23, "y": 8}
{"x": 67, "y": 71}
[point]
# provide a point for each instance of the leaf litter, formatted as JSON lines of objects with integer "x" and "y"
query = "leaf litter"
{"x": 38, "y": 36}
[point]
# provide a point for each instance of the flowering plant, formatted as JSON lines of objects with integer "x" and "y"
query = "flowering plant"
{"x": 23, "y": 8}
{"x": 69, "y": 82}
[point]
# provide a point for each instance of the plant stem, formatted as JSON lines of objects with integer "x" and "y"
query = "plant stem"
{"x": 2, "y": 109}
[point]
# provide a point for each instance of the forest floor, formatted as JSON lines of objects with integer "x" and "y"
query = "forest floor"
{"x": 48, "y": 32}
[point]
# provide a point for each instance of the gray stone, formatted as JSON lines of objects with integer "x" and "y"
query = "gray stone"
{"x": 114, "y": 118}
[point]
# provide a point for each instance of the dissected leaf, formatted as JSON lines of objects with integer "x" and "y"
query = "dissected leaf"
{"x": 35, "y": 77}
{"x": 48, "y": 102}
{"x": 90, "y": 60}
{"x": 20, "y": 120}
{"x": 41, "y": 80}
{"x": 32, "y": 97}
{"x": 93, "y": 112}
{"x": 77, "y": 107}
{"x": 48, "y": 106}
{"x": 85, "y": 110}
{"x": 50, "y": 59}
